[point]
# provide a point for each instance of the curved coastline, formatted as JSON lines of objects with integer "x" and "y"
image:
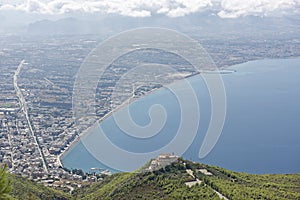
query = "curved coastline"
{"x": 223, "y": 71}
{"x": 66, "y": 151}
{"x": 244, "y": 73}
{"x": 110, "y": 113}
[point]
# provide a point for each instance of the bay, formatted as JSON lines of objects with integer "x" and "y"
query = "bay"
{"x": 261, "y": 133}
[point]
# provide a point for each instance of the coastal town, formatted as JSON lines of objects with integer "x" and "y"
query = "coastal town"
{"x": 36, "y": 85}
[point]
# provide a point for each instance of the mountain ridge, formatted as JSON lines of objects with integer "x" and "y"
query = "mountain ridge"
{"x": 204, "y": 23}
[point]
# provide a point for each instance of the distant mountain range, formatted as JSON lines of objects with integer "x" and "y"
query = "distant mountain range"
{"x": 200, "y": 24}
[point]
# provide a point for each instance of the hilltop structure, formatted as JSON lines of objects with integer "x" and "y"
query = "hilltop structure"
{"x": 162, "y": 160}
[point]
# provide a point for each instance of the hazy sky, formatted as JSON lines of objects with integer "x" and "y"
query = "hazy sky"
{"x": 146, "y": 8}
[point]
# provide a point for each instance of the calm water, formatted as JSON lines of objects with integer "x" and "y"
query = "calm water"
{"x": 261, "y": 132}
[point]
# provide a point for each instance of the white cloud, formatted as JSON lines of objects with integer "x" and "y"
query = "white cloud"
{"x": 145, "y": 8}
{"x": 135, "y": 8}
{"x": 238, "y": 8}
{"x": 180, "y": 8}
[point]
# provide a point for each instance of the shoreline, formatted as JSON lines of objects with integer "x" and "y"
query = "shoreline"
{"x": 129, "y": 101}
{"x": 87, "y": 130}
{"x": 224, "y": 68}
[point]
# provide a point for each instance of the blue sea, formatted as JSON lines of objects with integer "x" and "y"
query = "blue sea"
{"x": 261, "y": 133}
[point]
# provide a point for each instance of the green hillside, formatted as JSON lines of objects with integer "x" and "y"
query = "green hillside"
{"x": 170, "y": 183}
{"x": 24, "y": 189}
{"x": 14, "y": 187}
{"x": 180, "y": 180}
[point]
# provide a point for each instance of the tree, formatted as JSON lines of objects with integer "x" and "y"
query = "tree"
{"x": 5, "y": 186}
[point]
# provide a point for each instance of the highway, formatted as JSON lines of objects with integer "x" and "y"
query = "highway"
{"x": 25, "y": 111}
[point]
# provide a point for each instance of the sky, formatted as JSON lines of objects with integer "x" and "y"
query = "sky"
{"x": 147, "y": 8}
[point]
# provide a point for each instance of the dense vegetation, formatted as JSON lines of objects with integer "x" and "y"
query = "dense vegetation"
{"x": 27, "y": 190}
{"x": 163, "y": 184}
{"x": 5, "y": 186}
{"x": 238, "y": 186}
{"x": 246, "y": 186}
{"x": 14, "y": 187}
{"x": 167, "y": 183}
